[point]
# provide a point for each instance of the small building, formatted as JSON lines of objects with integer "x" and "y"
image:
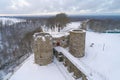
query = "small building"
{"x": 43, "y": 48}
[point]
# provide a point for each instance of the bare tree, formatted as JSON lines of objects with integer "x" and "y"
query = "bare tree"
{"x": 60, "y": 20}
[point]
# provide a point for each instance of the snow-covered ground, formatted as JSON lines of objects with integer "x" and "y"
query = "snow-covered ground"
{"x": 103, "y": 57}
{"x": 32, "y": 71}
{"x": 65, "y": 30}
{"x": 71, "y": 26}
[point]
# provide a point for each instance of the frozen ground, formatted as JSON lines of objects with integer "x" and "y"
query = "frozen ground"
{"x": 64, "y": 31}
{"x": 103, "y": 57}
{"x": 71, "y": 26}
{"x": 32, "y": 71}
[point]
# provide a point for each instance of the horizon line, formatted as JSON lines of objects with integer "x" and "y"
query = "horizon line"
{"x": 69, "y": 14}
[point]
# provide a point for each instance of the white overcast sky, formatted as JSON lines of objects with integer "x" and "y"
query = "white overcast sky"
{"x": 37, "y": 7}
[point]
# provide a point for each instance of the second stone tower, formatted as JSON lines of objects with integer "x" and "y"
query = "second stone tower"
{"x": 77, "y": 43}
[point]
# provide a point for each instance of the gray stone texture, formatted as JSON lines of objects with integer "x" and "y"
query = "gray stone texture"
{"x": 43, "y": 48}
{"x": 64, "y": 40}
{"x": 77, "y": 43}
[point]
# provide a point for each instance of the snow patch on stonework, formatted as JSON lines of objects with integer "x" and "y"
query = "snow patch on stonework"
{"x": 41, "y": 35}
{"x": 43, "y": 38}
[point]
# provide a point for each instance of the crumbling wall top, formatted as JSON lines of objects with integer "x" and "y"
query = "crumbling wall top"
{"x": 42, "y": 35}
{"x": 78, "y": 31}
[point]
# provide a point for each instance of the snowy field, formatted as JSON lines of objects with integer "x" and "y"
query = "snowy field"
{"x": 32, "y": 71}
{"x": 103, "y": 58}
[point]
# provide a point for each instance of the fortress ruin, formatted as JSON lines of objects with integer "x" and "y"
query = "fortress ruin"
{"x": 77, "y": 43}
{"x": 44, "y": 43}
{"x": 45, "y": 47}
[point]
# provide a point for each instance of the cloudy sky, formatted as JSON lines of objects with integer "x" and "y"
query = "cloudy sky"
{"x": 39, "y": 7}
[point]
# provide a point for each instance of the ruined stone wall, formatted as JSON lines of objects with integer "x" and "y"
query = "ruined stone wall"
{"x": 69, "y": 66}
{"x": 84, "y": 25}
{"x": 64, "y": 41}
{"x": 77, "y": 43}
{"x": 43, "y": 48}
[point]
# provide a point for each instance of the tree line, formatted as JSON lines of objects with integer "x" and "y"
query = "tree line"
{"x": 60, "y": 21}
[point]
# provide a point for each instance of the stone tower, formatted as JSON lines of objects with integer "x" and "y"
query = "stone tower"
{"x": 77, "y": 43}
{"x": 43, "y": 48}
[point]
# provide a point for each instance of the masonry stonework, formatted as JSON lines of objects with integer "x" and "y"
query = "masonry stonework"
{"x": 43, "y": 48}
{"x": 64, "y": 41}
{"x": 77, "y": 43}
